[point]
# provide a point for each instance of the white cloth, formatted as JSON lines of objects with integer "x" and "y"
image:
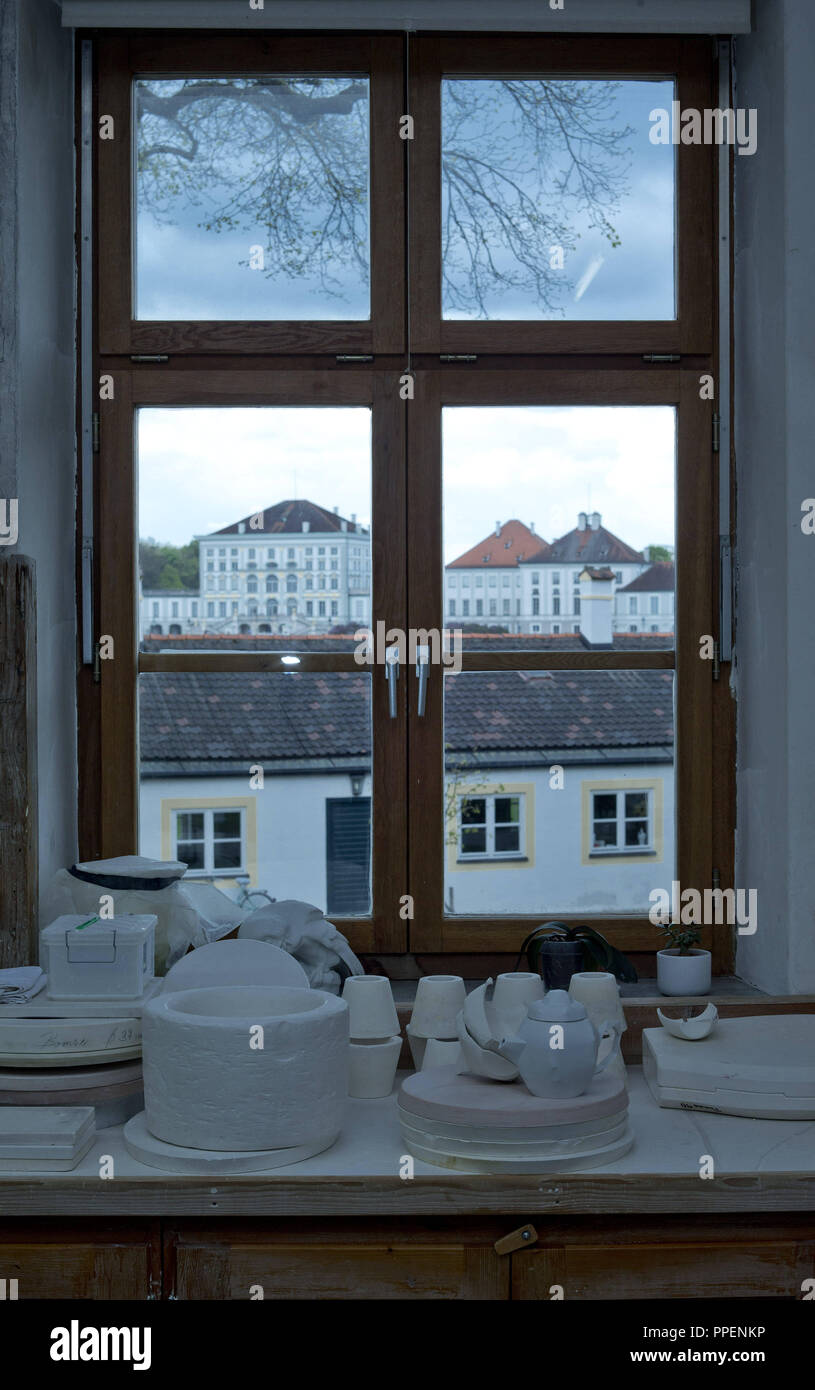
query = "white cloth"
{"x": 21, "y": 983}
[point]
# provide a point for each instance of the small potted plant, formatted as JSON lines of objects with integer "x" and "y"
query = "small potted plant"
{"x": 557, "y": 952}
{"x": 683, "y": 967}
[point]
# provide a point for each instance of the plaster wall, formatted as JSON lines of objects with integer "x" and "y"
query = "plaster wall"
{"x": 774, "y": 428}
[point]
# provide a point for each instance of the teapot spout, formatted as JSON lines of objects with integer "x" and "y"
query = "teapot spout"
{"x": 510, "y": 1048}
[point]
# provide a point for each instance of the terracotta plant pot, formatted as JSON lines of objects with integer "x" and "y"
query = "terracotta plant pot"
{"x": 686, "y": 974}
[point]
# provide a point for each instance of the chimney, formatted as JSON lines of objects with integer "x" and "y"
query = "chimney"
{"x": 497, "y": 528}
{"x": 336, "y": 511}
{"x": 532, "y": 527}
{"x": 594, "y": 521}
{"x": 596, "y": 606}
{"x": 582, "y": 521}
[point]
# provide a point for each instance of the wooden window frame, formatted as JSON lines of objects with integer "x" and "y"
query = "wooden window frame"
{"x": 546, "y": 362}
{"x": 123, "y": 58}
{"x": 696, "y": 785}
{"x": 519, "y": 55}
{"x": 118, "y": 769}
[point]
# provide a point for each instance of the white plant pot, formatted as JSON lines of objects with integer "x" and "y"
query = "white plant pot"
{"x": 438, "y": 1000}
{"x": 440, "y": 1053}
{"x": 372, "y": 1068}
{"x": 371, "y": 1010}
{"x": 688, "y": 974}
{"x": 511, "y": 997}
{"x": 417, "y": 1047}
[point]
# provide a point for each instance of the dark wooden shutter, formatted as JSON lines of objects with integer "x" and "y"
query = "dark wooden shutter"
{"x": 348, "y": 851}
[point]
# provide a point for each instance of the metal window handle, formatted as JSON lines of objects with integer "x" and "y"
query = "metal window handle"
{"x": 422, "y": 667}
{"x": 392, "y": 676}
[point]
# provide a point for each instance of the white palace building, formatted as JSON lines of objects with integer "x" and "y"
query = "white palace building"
{"x": 297, "y": 568}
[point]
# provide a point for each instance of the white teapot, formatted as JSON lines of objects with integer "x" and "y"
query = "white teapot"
{"x": 557, "y": 1046}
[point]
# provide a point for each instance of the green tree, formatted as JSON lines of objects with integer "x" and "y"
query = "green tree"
{"x": 659, "y": 552}
{"x": 164, "y": 566}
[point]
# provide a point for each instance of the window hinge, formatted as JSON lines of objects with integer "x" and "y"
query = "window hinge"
{"x": 717, "y": 879}
{"x": 149, "y": 357}
{"x": 95, "y": 432}
{"x": 458, "y": 357}
{"x": 716, "y": 660}
{"x": 661, "y": 357}
{"x": 97, "y": 664}
{"x": 354, "y": 357}
{"x": 717, "y": 420}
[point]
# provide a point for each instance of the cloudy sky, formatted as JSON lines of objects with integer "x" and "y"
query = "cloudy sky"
{"x": 200, "y": 470}
{"x": 203, "y": 469}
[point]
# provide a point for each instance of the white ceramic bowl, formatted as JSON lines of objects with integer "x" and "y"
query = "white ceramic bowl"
{"x": 438, "y": 1000}
{"x": 371, "y": 1010}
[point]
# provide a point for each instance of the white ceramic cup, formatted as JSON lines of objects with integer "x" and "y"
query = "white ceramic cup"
{"x": 371, "y": 1010}
{"x": 438, "y": 999}
{"x": 417, "y": 1047}
{"x": 511, "y": 996}
{"x": 599, "y": 993}
{"x": 441, "y": 1053}
{"x": 372, "y": 1068}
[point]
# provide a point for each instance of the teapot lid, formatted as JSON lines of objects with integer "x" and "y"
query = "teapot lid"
{"x": 557, "y": 1006}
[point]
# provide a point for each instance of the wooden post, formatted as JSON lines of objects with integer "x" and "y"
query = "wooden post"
{"x": 18, "y": 762}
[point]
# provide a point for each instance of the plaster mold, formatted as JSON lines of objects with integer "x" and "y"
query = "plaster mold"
{"x": 235, "y": 962}
{"x": 209, "y": 1084}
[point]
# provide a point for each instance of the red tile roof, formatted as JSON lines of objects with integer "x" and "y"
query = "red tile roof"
{"x": 514, "y": 543}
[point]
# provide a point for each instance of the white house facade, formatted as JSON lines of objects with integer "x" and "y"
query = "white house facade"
{"x": 294, "y": 568}
{"x": 516, "y": 581}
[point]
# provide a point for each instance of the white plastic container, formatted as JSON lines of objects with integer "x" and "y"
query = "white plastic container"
{"x": 111, "y": 959}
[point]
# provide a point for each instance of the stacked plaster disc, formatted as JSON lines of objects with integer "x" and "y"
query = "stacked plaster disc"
{"x": 468, "y": 1123}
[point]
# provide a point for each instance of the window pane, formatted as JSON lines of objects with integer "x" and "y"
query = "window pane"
{"x": 189, "y": 826}
{"x": 609, "y": 734}
{"x": 304, "y": 826}
{"x": 506, "y": 809}
{"x": 252, "y": 198}
{"x": 506, "y": 840}
{"x": 226, "y": 824}
{"x": 473, "y": 810}
{"x": 585, "y": 501}
{"x": 473, "y": 841}
{"x": 636, "y": 804}
{"x": 556, "y": 203}
{"x": 226, "y": 854}
{"x": 191, "y": 853}
{"x": 264, "y": 484}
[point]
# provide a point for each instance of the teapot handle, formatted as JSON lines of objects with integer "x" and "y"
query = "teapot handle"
{"x": 615, "y": 1030}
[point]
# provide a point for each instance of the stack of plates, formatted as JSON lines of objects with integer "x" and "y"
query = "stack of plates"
{"x": 68, "y": 1042}
{"x": 474, "y": 1125}
{"x": 51, "y": 1140}
{"x": 116, "y": 1091}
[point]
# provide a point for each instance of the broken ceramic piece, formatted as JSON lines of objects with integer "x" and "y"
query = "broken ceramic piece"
{"x": 693, "y": 1028}
{"x": 478, "y": 1060}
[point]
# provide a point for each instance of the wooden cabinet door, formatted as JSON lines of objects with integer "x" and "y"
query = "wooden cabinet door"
{"x": 720, "y": 1269}
{"x": 52, "y": 1259}
{"x": 334, "y": 1262}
